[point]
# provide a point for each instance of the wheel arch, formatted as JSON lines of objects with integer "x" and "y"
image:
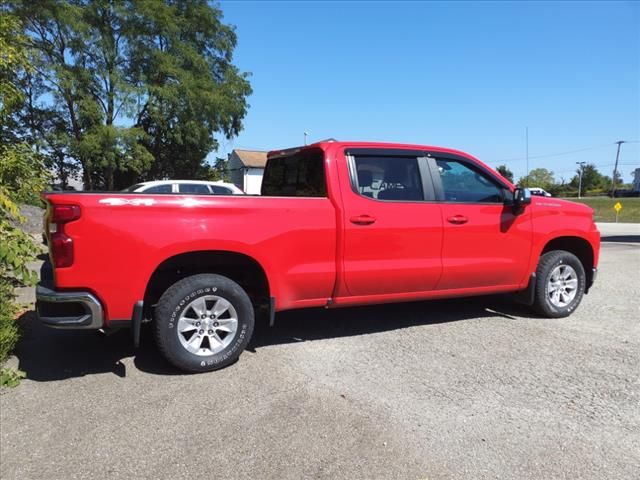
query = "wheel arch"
{"x": 239, "y": 267}
{"x": 578, "y": 246}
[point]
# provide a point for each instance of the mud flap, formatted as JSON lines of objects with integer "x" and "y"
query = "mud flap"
{"x": 527, "y": 296}
{"x": 136, "y": 323}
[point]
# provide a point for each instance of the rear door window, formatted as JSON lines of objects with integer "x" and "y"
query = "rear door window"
{"x": 298, "y": 175}
{"x": 389, "y": 178}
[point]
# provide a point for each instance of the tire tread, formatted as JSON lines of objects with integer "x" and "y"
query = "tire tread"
{"x": 174, "y": 294}
{"x": 546, "y": 263}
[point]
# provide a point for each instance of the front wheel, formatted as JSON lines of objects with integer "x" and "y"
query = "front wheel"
{"x": 560, "y": 284}
{"x": 203, "y": 322}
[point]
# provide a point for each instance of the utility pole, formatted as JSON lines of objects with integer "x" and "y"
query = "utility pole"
{"x": 580, "y": 178}
{"x": 615, "y": 170}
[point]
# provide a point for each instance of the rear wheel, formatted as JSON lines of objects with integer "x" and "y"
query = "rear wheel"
{"x": 560, "y": 284}
{"x": 203, "y": 322}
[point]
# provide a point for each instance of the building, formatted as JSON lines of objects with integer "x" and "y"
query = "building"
{"x": 636, "y": 180}
{"x": 246, "y": 168}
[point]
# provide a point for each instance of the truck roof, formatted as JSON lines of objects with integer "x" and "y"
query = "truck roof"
{"x": 323, "y": 144}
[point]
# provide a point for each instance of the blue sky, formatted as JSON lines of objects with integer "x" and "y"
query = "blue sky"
{"x": 470, "y": 76}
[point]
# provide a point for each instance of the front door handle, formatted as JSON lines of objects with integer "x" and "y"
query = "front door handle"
{"x": 362, "y": 220}
{"x": 458, "y": 219}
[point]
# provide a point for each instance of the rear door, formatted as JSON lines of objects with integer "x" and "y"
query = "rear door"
{"x": 486, "y": 243}
{"x": 392, "y": 224}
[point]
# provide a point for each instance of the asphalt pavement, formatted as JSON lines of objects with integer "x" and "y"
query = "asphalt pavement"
{"x": 463, "y": 389}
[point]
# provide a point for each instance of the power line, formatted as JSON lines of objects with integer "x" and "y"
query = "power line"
{"x": 600, "y": 165}
{"x": 575, "y": 170}
{"x": 548, "y": 155}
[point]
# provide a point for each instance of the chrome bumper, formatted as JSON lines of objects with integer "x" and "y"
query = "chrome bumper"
{"x": 71, "y": 310}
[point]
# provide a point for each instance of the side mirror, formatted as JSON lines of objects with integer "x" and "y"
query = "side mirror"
{"x": 521, "y": 197}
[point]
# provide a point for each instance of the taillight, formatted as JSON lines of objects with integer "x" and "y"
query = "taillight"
{"x": 61, "y": 250}
{"x": 65, "y": 213}
{"x": 62, "y": 244}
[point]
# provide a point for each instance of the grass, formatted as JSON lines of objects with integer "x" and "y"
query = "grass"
{"x": 8, "y": 333}
{"x": 11, "y": 378}
{"x": 8, "y": 324}
{"x": 604, "y": 211}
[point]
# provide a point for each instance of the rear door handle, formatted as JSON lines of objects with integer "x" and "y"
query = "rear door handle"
{"x": 362, "y": 220}
{"x": 458, "y": 219}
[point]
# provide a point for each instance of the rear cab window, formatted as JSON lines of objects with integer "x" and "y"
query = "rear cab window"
{"x": 300, "y": 174}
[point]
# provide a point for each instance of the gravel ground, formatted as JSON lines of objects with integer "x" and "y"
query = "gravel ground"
{"x": 474, "y": 388}
{"x": 33, "y": 219}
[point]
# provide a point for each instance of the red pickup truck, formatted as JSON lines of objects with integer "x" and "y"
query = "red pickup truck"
{"x": 337, "y": 224}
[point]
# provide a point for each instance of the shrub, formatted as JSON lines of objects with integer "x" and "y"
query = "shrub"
{"x": 22, "y": 177}
{"x": 25, "y": 178}
{"x": 8, "y": 326}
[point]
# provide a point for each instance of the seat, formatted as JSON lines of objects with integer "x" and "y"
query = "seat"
{"x": 365, "y": 179}
{"x": 395, "y": 178}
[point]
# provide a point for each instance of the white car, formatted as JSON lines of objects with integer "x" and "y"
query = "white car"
{"x": 193, "y": 187}
{"x": 539, "y": 192}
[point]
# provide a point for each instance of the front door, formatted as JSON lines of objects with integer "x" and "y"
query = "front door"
{"x": 485, "y": 243}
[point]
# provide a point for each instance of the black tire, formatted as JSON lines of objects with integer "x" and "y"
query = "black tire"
{"x": 176, "y": 302}
{"x": 547, "y": 264}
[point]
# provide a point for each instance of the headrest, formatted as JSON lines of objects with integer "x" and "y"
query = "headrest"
{"x": 395, "y": 174}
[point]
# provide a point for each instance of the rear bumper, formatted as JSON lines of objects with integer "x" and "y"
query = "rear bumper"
{"x": 70, "y": 310}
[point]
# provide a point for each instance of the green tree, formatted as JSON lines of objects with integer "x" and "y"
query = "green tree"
{"x": 140, "y": 88}
{"x": 505, "y": 172}
{"x": 592, "y": 179}
{"x": 538, "y": 177}
{"x": 219, "y": 170}
{"x": 194, "y": 88}
{"x": 22, "y": 177}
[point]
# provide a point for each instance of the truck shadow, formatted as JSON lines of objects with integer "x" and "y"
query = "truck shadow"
{"x": 320, "y": 323}
{"x": 49, "y": 355}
